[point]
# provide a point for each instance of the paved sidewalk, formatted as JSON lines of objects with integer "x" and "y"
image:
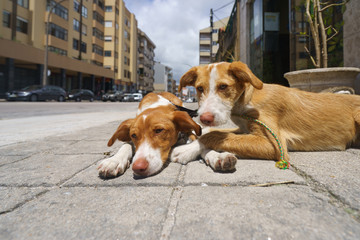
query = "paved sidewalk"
{"x": 50, "y": 189}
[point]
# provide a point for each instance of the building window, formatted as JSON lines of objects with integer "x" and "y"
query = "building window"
{"x": 96, "y": 63}
{"x": 6, "y": 19}
{"x": 58, "y": 9}
{"x": 23, "y": 3}
{"x": 116, "y": 11}
{"x": 97, "y": 49}
{"x": 58, "y": 50}
{"x": 98, "y": 34}
{"x": 76, "y": 25}
{"x": 108, "y": 8}
{"x": 58, "y": 31}
{"x": 108, "y": 38}
{"x": 116, "y": 26}
{"x": 76, "y": 6}
{"x": 84, "y": 11}
{"x": 127, "y": 22}
{"x": 107, "y": 53}
{"x": 100, "y": 3}
{"x": 76, "y": 45}
{"x": 84, "y": 29}
{"x": 126, "y": 35}
{"x": 108, "y": 23}
{"x": 21, "y": 25}
{"x": 98, "y": 17}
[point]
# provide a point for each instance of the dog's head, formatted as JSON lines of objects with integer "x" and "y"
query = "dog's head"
{"x": 219, "y": 86}
{"x": 153, "y": 133}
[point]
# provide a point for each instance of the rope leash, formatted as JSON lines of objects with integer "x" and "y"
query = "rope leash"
{"x": 282, "y": 164}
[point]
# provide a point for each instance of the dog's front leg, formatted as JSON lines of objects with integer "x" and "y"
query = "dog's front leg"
{"x": 186, "y": 153}
{"x": 117, "y": 164}
{"x": 243, "y": 145}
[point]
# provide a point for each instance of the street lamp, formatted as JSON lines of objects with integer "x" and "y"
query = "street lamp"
{"x": 45, "y": 74}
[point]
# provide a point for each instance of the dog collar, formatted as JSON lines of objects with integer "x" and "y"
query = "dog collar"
{"x": 192, "y": 113}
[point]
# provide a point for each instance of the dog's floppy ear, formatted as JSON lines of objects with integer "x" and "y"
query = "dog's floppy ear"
{"x": 122, "y": 132}
{"x": 241, "y": 72}
{"x": 185, "y": 123}
{"x": 189, "y": 78}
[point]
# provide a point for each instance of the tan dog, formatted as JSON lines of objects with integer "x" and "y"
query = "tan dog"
{"x": 303, "y": 121}
{"x": 153, "y": 132}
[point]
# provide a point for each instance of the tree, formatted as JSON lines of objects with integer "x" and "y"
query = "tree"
{"x": 320, "y": 34}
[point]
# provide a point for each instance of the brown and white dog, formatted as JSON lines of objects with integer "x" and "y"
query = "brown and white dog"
{"x": 153, "y": 132}
{"x": 303, "y": 121}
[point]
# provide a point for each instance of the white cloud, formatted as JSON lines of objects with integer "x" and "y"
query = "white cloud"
{"x": 173, "y": 25}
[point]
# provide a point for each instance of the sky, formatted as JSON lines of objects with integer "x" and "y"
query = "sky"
{"x": 174, "y": 25}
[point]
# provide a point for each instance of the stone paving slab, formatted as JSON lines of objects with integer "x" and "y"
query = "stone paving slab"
{"x": 86, "y": 147}
{"x": 10, "y": 159}
{"x": 89, "y": 177}
{"x": 338, "y": 172}
{"x": 31, "y": 147}
{"x": 45, "y": 169}
{"x": 278, "y": 212}
{"x": 248, "y": 172}
{"x": 90, "y": 213}
{"x": 11, "y": 197}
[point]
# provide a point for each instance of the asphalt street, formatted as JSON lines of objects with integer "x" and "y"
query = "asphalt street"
{"x": 24, "y": 121}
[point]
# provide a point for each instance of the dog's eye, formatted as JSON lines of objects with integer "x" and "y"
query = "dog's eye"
{"x": 158, "y": 130}
{"x": 133, "y": 136}
{"x": 200, "y": 89}
{"x": 223, "y": 87}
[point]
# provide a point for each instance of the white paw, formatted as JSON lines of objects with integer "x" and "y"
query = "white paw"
{"x": 223, "y": 162}
{"x": 186, "y": 153}
{"x": 112, "y": 167}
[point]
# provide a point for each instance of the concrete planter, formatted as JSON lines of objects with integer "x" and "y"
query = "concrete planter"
{"x": 319, "y": 79}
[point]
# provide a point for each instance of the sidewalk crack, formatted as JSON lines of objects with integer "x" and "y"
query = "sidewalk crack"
{"x": 335, "y": 199}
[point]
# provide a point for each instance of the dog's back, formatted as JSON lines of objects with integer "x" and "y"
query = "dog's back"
{"x": 310, "y": 121}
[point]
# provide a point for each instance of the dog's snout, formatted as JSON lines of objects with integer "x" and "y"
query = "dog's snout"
{"x": 207, "y": 118}
{"x": 140, "y": 166}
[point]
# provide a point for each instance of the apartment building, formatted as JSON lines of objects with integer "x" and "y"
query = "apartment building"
{"x": 120, "y": 48}
{"x": 145, "y": 62}
{"x": 208, "y": 41}
{"x": 164, "y": 81}
{"x": 92, "y": 44}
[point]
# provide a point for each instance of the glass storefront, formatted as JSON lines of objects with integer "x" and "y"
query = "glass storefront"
{"x": 269, "y": 40}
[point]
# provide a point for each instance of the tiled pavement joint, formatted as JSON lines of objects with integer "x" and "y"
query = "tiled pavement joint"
{"x": 335, "y": 199}
{"x": 24, "y": 202}
{"x": 170, "y": 219}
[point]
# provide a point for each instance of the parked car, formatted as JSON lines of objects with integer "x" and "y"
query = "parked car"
{"x": 128, "y": 97}
{"x": 137, "y": 97}
{"x": 112, "y": 96}
{"x": 81, "y": 94}
{"x": 35, "y": 93}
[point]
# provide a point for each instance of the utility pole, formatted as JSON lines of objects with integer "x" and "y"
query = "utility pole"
{"x": 211, "y": 33}
{"x": 13, "y": 20}
{"x": 45, "y": 72}
{"x": 80, "y": 27}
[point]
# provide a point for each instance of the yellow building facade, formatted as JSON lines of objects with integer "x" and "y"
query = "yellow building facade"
{"x": 92, "y": 44}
